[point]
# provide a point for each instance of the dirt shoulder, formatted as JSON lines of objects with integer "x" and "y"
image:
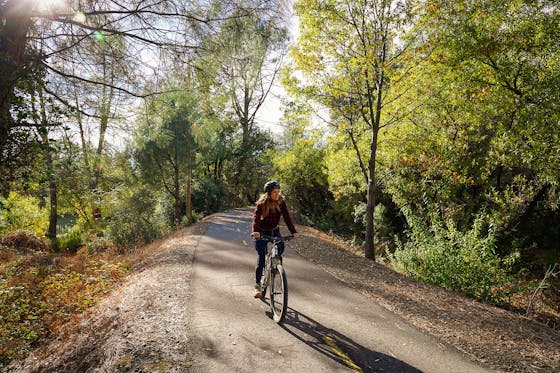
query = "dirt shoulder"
{"x": 495, "y": 337}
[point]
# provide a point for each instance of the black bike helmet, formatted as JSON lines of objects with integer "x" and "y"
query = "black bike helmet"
{"x": 270, "y": 185}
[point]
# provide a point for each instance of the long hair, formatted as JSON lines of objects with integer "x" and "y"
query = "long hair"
{"x": 268, "y": 203}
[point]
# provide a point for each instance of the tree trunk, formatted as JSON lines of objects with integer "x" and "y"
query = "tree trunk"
{"x": 243, "y": 114}
{"x": 104, "y": 122}
{"x": 188, "y": 186}
{"x": 176, "y": 193}
{"x": 370, "y": 207}
{"x": 16, "y": 22}
{"x": 359, "y": 156}
{"x": 242, "y": 160}
{"x": 53, "y": 187}
{"x": 375, "y": 116}
{"x": 526, "y": 209}
{"x": 53, "y": 192}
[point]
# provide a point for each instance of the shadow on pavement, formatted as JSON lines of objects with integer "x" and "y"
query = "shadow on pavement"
{"x": 335, "y": 345}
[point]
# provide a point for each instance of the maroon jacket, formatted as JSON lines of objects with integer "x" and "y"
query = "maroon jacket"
{"x": 271, "y": 221}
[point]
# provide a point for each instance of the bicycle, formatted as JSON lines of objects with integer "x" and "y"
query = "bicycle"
{"x": 275, "y": 276}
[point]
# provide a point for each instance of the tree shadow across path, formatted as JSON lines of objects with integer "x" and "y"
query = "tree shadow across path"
{"x": 340, "y": 348}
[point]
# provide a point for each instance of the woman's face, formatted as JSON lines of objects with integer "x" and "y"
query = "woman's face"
{"x": 275, "y": 194}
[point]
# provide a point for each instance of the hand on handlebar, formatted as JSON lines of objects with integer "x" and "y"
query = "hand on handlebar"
{"x": 257, "y": 235}
{"x": 265, "y": 237}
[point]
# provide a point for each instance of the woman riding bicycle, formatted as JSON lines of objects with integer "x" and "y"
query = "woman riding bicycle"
{"x": 266, "y": 217}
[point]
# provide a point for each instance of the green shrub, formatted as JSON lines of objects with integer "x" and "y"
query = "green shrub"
{"x": 98, "y": 245}
{"x": 134, "y": 217}
{"x": 209, "y": 196}
{"x": 384, "y": 231}
{"x": 188, "y": 220}
{"x": 461, "y": 261}
{"x": 22, "y": 212}
{"x": 70, "y": 241}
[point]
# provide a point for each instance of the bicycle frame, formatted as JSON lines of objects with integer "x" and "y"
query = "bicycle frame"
{"x": 273, "y": 269}
{"x": 273, "y": 253}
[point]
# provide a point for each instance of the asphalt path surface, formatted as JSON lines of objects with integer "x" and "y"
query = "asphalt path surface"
{"x": 329, "y": 326}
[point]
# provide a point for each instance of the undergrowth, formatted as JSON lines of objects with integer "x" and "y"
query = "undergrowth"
{"x": 443, "y": 255}
{"x": 39, "y": 292}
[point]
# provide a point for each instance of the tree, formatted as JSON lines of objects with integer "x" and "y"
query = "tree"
{"x": 96, "y": 109}
{"x": 44, "y": 123}
{"x": 353, "y": 57}
{"x": 300, "y": 168}
{"x": 165, "y": 146}
{"x": 241, "y": 62}
{"x": 485, "y": 141}
{"x": 34, "y": 36}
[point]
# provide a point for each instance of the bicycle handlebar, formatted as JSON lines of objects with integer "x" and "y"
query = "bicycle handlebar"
{"x": 265, "y": 237}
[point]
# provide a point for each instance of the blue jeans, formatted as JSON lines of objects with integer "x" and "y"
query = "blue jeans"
{"x": 260, "y": 246}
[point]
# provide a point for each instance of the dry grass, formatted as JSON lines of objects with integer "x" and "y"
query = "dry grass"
{"x": 134, "y": 328}
{"x": 40, "y": 291}
{"x": 23, "y": 242}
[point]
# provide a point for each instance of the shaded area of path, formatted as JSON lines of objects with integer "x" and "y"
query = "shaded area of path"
{"x": 339, "y": 347}
{"x": 330, "y": 327}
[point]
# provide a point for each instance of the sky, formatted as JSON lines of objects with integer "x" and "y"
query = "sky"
{"x": 270, "y": 115}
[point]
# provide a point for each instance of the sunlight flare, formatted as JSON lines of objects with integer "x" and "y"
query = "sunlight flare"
{"x": 49, "y": 5}
{"x": 79, "y": 17}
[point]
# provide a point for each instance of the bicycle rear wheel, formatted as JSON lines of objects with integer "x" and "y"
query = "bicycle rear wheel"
{"x": 278, "y": 294}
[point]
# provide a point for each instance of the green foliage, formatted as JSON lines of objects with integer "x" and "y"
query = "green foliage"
{"x": 463, "y": 261}
{"x": 238, "y": 65}
{"x": 384, "y": 229}
{"x": 343, "y": 169}
{"x": 165, "y": 143}
{"x": 20, "y": 211}
{"x": 98, "y": 245}
{"x": 135, "y": 216}
{"x": 165, "y": 139}
{"x": 300, "y": 169}
{"x": 209, "y": 196}
{"x": 337, "y": 218}
{"x": 482, "y": 134}
{"x": 69, "y": 241}
{"x": 353, "y": 64}
{"x": 188, "y": 220}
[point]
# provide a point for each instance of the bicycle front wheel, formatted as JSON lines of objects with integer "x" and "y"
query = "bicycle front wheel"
{"x": 278, "y": 294}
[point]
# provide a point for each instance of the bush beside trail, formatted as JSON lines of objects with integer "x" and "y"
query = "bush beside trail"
{"x": 467, "y": 262}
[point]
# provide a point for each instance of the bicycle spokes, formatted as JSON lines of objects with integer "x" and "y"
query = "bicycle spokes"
{"x": 274, "y": 280}
{"x": 278, "y": 294}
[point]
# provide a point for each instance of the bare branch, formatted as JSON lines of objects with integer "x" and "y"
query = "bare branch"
{"x": 100, "y": 83}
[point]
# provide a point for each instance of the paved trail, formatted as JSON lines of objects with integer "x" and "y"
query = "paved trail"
{"x": 329, "y": 327}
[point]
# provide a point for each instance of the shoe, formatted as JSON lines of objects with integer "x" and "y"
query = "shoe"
{"x": 258, "y": 292}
